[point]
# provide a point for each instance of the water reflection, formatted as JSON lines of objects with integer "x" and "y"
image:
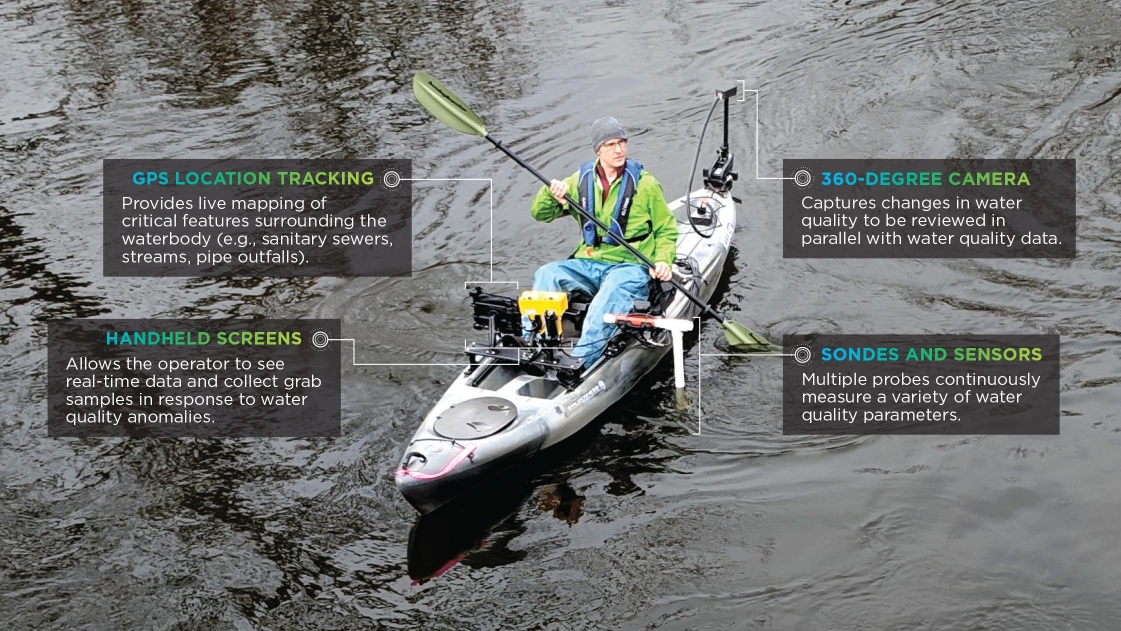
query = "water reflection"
{"x": 562, "y": 501}
{"x": 293, "y": 534}
{"x": 477, "y": 529}
{"x": 481, "y": 524}
{"x": 26, "y": 281}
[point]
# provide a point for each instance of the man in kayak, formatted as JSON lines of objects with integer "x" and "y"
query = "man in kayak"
{"x": 630, "y": 201}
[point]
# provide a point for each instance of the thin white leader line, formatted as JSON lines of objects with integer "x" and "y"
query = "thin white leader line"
{"x": 491, "y": 282}
{"x": 700, "y": 355}
{"x": 466, "y": 347}
{"x": 745, "y": 90}
{"x": 697, "y": 327}
{"x": 354, "y": 359}
{"x": 490, "y": 187}
{"x": 748, "y": 354}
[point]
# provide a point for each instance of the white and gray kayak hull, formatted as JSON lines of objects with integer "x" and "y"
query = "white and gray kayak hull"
{"x": 481, "y": 427}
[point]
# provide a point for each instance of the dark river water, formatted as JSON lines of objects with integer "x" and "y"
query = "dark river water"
{"x": 635, "y": 523}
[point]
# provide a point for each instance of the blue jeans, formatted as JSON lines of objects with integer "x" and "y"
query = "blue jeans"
{"x": 613, "y": 286}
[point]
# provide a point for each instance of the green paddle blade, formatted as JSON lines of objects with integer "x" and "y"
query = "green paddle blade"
{"x": 441, "y": 103}
{"x": 743, "y": 339}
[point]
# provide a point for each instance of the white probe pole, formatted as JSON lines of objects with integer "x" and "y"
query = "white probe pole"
{"x": 677, "y": 329}
{"x": 678, "y": 359}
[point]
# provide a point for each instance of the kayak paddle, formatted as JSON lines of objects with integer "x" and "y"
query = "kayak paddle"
{"x": 450, "y": 110}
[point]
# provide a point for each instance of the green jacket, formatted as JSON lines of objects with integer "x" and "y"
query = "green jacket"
{"x": 648, "y": 205}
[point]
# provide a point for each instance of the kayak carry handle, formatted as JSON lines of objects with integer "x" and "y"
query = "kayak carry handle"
{"x": 464, "y": 453}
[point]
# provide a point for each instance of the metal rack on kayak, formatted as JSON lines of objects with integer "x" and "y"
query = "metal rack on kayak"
{"x": 546, "y": 351}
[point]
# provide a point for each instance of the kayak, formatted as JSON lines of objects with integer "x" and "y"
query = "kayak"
{"x": 512, "y": 401}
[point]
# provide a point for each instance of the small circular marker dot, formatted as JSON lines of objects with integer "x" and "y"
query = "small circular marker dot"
{"x": 803, "y": 178}
{"x": 391, "y": 179}
{"x": 320, "y": 339}
{"x": 803, "y": 355}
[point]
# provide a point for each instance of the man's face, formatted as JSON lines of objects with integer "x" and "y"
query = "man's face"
{"x": 613, "y": 153}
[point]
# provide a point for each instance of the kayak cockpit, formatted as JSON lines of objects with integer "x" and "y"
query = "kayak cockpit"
{"x": 546, "y": 352}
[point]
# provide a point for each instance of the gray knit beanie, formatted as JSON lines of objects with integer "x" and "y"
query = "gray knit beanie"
{"x": 604, "y": 129}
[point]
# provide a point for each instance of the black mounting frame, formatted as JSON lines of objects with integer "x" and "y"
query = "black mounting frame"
{"x": 720, "y": 176}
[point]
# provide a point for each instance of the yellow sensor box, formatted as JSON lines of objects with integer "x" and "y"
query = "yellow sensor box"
{"x": 536, "y": 303}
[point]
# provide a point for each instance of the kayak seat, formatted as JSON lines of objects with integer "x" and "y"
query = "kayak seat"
{"x": 660, "y": 295}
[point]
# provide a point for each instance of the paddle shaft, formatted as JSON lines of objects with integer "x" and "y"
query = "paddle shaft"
{"x": 584, "y": 213}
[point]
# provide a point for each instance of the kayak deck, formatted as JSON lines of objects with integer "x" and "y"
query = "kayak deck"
{"x": 499, "y": 411}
